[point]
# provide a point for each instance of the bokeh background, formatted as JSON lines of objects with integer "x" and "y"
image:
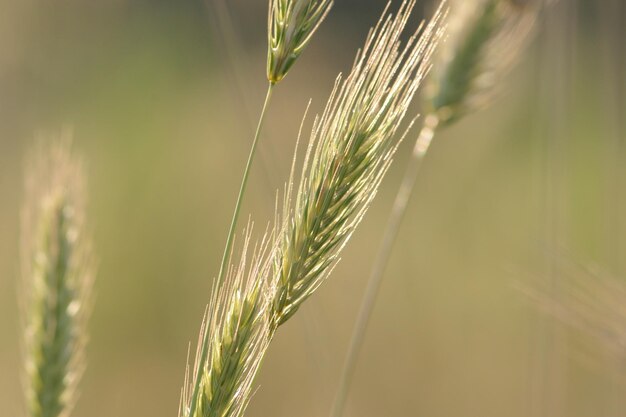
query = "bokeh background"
{"x": 162, "y": 98}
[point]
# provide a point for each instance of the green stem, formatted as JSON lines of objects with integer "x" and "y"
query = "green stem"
{"x": 382, "y": 258}
{"x": 242, "y": 188}
{"x": 228, "y": 249}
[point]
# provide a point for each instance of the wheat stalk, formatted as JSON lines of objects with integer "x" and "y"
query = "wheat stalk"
{"x": 350, "y": 150}
{"x": 57, "y": 276}
{"x": 485, "y": 39}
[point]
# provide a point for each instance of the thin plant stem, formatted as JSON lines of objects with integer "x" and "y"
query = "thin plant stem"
{"x": 229, "y": 239}
{"x": 244, "y": 183}
{"x": 382, "y": 258}
{"x": 235, "y": 60}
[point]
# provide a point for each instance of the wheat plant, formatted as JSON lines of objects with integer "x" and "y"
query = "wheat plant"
{"x": 484, "y": 39}
{"x": 57, "y": 275}
{"x": 292, "y": 23}
{"x": 349, "y": 152}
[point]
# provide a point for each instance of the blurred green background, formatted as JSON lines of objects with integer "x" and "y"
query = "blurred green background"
{"x": 162, "y": 97}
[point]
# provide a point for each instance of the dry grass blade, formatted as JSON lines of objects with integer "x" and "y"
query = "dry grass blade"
{"x": 238, "y": 331}
{"x": 291, "y": 24}
{"x": 57, "y": 274}
{"x": 350, "y": 150}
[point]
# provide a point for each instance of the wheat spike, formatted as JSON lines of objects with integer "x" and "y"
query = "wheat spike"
{"x": 350, "y": 150}
{"x": 291, "y": 24}
{"x": 237, "y": 326}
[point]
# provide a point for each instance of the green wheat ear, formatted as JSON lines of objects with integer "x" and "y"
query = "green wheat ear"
{"x": 57, "y": 276}
{"x": 291, "y": 24}
{"x": 237, "y": 329}
{"x": 350, "y": 149}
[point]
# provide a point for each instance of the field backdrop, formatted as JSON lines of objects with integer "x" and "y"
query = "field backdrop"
{"x": 162, "y": 98}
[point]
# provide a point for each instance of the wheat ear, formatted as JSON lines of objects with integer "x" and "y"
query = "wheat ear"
{"x": 476, "y": 53}
{"x": 57, "y": 276}
{"x": 350, "y": 150}
{"x": 291, "y": 24}
{"x": 237, "y": 327}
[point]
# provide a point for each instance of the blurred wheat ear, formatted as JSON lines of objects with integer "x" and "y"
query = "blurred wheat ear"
{"x": 486, "y": 38}
{"x": 58, "y": 270}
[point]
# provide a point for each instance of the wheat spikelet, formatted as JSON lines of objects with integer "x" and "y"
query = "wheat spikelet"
{"x": 350, "y": 149}
{"x": 57, "y": 275}
{"x": 291, "y": 24}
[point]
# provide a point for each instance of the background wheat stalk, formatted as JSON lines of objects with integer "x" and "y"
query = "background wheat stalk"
{"x": 485, "y": 38}
{"x": 349, "y": 152}
{"x": 57, "y": 274}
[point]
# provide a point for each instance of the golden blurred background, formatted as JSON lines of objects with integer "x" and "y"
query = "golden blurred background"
{"x": 162, "y": 97}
